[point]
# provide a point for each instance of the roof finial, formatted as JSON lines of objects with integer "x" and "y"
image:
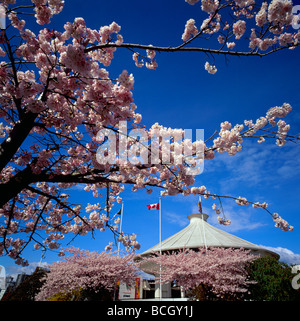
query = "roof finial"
{"x": 200, "y": 205}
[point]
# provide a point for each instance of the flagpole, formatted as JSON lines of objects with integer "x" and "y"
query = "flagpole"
{"x": 160, "y": 285}
{"x": 160, "y": 225}
{"x": 119, "y": 243}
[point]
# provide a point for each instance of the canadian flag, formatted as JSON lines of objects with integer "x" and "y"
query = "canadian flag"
{"x": 153, "y": 206}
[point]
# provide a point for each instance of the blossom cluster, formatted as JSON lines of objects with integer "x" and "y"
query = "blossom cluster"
{"x": 16, "y": 245}
{"x": 16, "y": 22}
{"x": 209, "y": 5}
{"x": 129, "y": 242}
{"x": 222, "y": 269}
{"x": 223, "y": 221}
{"x": 87, "y": 270}
{"x": 126, "y": 80}
{"x": 190, "y": 30}
{"x": 261, "y": 16}
{"x": 281, "y": 223}
{"x": 44, "y": 11}
{"x": 242, "y": 201}
{"x": 274, "y": 17}
{"x": 230, "y": 138}
{"x": 150, "y": 63}
{"x": 137, "y": 59}
{"x": 216, "y": 209}
{"x": 258, "y": 205}
{"x": 280, "y": 14}
{"x": 54, "y": 224}
{"x": 239, "y": 28}
{"x": 210, "y": 68}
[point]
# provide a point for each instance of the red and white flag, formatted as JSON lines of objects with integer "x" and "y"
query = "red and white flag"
{"x": 153, "y": 206}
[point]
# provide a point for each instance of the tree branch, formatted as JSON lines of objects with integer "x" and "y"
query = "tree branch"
{"x": 185, "y": 49}
{"x": 58, "y": 201}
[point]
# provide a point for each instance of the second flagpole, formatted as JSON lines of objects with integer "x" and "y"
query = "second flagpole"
{"x": 119, "y": 244}
{"x": 160, "y": 285}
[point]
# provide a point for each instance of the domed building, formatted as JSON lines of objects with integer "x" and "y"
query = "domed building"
{"x": 198, "y": 234}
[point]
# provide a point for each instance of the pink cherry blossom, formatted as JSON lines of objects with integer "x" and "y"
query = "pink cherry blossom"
{"x": 190, "y": 30}
{"x": 223, "y": 221}
{"x": 261, "y": 16}
{"x": 239, "y": 28}
{"x": 221, "y": 39}
{"x": 285, "y": 39}
{"x": 279, "y": 111}
{"x": 280, "y": 13}
{"x": 266, "y": 43}
{"x": 222, "y": 269}
{"x": 210, "y": 68}
{"x": 126, "y": 80}
{"x": 87, "y": 270}
{"x": 242, "y": 201}
{"x": 230, "y": 45}
{"x": 138, "y": 62}
{"x": 15, "y": 21}
{"x": 209, "y": 5}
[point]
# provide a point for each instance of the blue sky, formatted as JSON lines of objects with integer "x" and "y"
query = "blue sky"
{"x": 181, "y": 94}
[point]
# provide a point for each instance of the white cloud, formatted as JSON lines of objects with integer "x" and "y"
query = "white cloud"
{"x": 175, "y": 218}
{"x": 242, "y": 218}
{"x": 257, "y": 163}
{"x": 239, "y": 222}
{"x": 286, "y": 255}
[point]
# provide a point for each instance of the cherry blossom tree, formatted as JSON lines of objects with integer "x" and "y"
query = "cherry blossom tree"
{"x": 222, "y": 271}
{"x": 60, "y": 108}
{"x": 84, "y": 270}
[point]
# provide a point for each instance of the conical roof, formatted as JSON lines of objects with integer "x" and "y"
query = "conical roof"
{"x": 199, "y": 234}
